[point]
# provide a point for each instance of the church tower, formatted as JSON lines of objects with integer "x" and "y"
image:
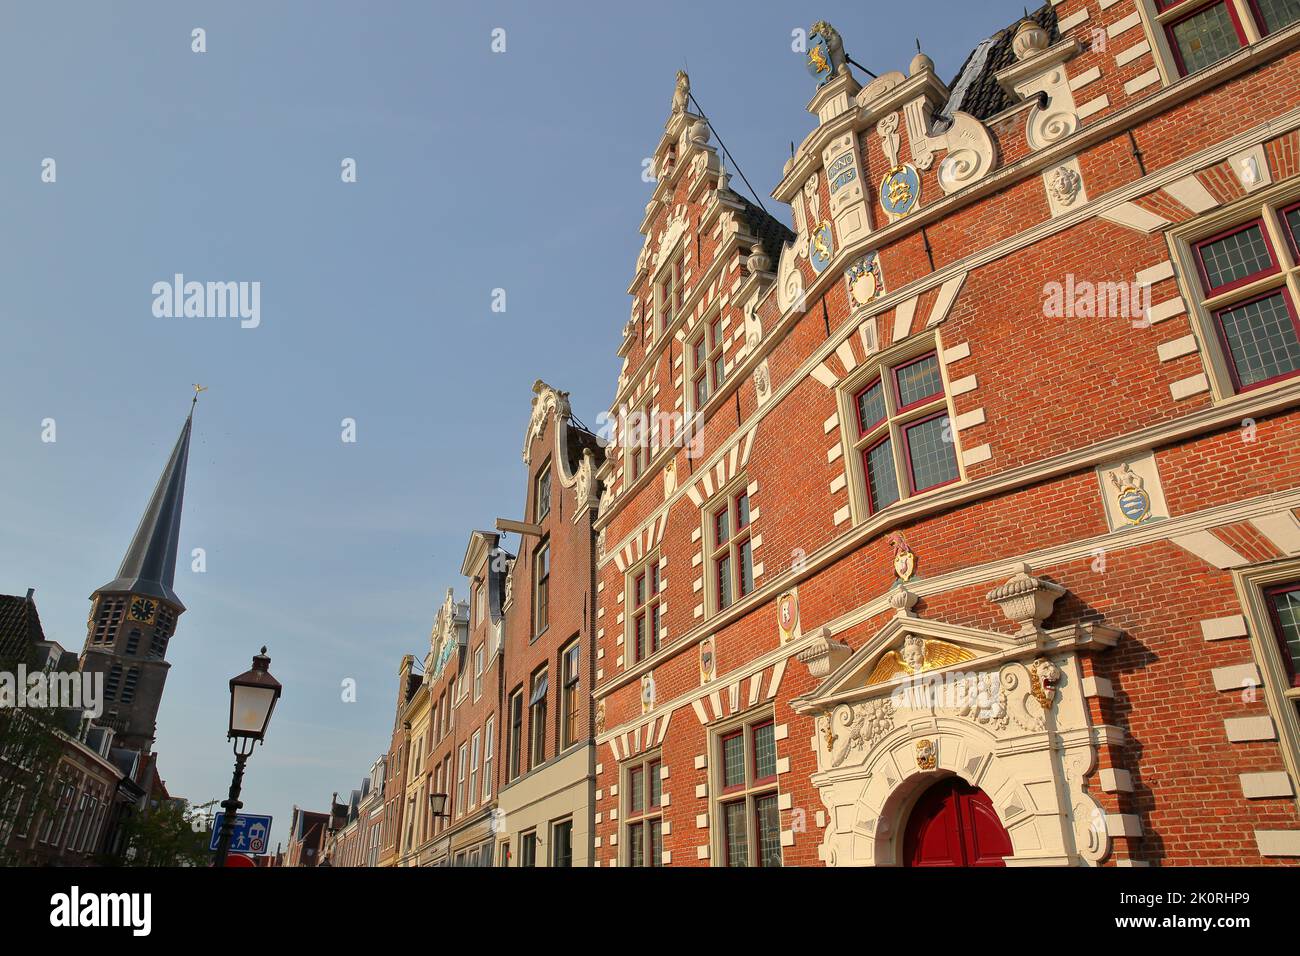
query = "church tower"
{"x": 133, "y": 617}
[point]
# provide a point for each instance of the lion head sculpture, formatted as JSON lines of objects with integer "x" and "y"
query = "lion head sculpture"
{"x": 1044, "y": 678}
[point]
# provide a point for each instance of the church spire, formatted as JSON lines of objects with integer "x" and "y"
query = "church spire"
{"x": 149, "y": 567}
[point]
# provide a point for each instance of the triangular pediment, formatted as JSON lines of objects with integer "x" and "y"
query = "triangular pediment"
{"x": 907, "y": 647}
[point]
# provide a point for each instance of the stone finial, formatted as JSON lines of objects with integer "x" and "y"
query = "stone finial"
{"x": 902, "y": 600}
{"x": 1027, "y": 601}
{"x": 699, "y": 133}
{"x": 759, "y": 260}
{"x": 920, "y": 64}
{"x": 1030, "y": 38}
{"x": 824, "y": 654}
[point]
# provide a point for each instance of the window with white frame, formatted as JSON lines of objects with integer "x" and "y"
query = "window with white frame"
{"x": 562, "y": 843}
{"x": 474, "y": 753}
{"x": 1283, "y": 602}
{"x": 1200, "y": 33}
{"x": 1270, "y": 595}
{"x": 461, "y": 760}
{"x": 668, "y": 300}
{"x": 537, "y": 718}
{"x": 542, "y": 499}
{"x": 643, "y": 812}
{"x": 541, "y": 587}
{"x": 528, "y": 848}
{"x": 644, "y": 601}
{"x": 707, "y": 368}
{"x": 748, "y": 819}
{"x": 900, "y": 431}
{"x": 489, "y": 750}
{"x": 410, "y": 823}
{"x": 641, "y": 441}
{"x": 84, "y": 805}
{"x": 10, "y": 807}
{"x": 515, "y": 747}
{"x": 1249, "y": 279}
{"x": 731, "y": 548}
{"x": 570, "y": 702}
{"x": 478, "y": 672}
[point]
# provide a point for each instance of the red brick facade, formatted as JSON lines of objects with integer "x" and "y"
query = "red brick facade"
{"x": 1156, "y": 724}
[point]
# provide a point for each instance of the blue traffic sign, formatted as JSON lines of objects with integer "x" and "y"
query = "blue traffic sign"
{"x": 252, "y": 833}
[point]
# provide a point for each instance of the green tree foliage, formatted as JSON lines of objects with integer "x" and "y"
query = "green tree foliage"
{"x": 30, "y": 745}
{"x": 169, "y": 834}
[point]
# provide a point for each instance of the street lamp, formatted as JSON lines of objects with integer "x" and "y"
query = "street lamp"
{"x": 438, "y": 805}
{"x": 252, "y": 699}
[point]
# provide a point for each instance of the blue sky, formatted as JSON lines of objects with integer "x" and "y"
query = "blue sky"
{"x": 475, "y": 171}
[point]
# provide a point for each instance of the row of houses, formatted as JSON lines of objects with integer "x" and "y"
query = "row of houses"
{"x": 492, "y": 755}
{"x": 913, "y": 540}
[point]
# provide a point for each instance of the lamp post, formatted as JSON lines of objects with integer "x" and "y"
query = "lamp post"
{"x": 252, "y": 699}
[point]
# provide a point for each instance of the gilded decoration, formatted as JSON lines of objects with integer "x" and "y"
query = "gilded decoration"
{"x": 917, "y": 656}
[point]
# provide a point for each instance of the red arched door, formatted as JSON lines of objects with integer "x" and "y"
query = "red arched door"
{"x": 954, "y": 824}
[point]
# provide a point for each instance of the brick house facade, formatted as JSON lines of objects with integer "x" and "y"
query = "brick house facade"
{"x": 979, "y": 543}
{"x": 547, "y": 775}
{"x": 395, "y": 769}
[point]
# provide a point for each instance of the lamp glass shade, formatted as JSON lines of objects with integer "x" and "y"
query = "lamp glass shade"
{"x": 250, "y": 710}
{"x": 438, "y": 804}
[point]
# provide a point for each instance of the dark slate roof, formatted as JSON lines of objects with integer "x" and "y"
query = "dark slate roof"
{"x": 150, "y": 563}
{"x": 579, "y": 440}
{"x": 20, "y": 627}
{"x": 975, "y": 89}
{"x": 771, "y": 232}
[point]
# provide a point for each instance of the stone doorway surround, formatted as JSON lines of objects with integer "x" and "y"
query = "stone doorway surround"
{"x": 922, "y": 700}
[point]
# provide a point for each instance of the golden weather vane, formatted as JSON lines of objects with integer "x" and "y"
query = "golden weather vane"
{"x": 197, "y": 388}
